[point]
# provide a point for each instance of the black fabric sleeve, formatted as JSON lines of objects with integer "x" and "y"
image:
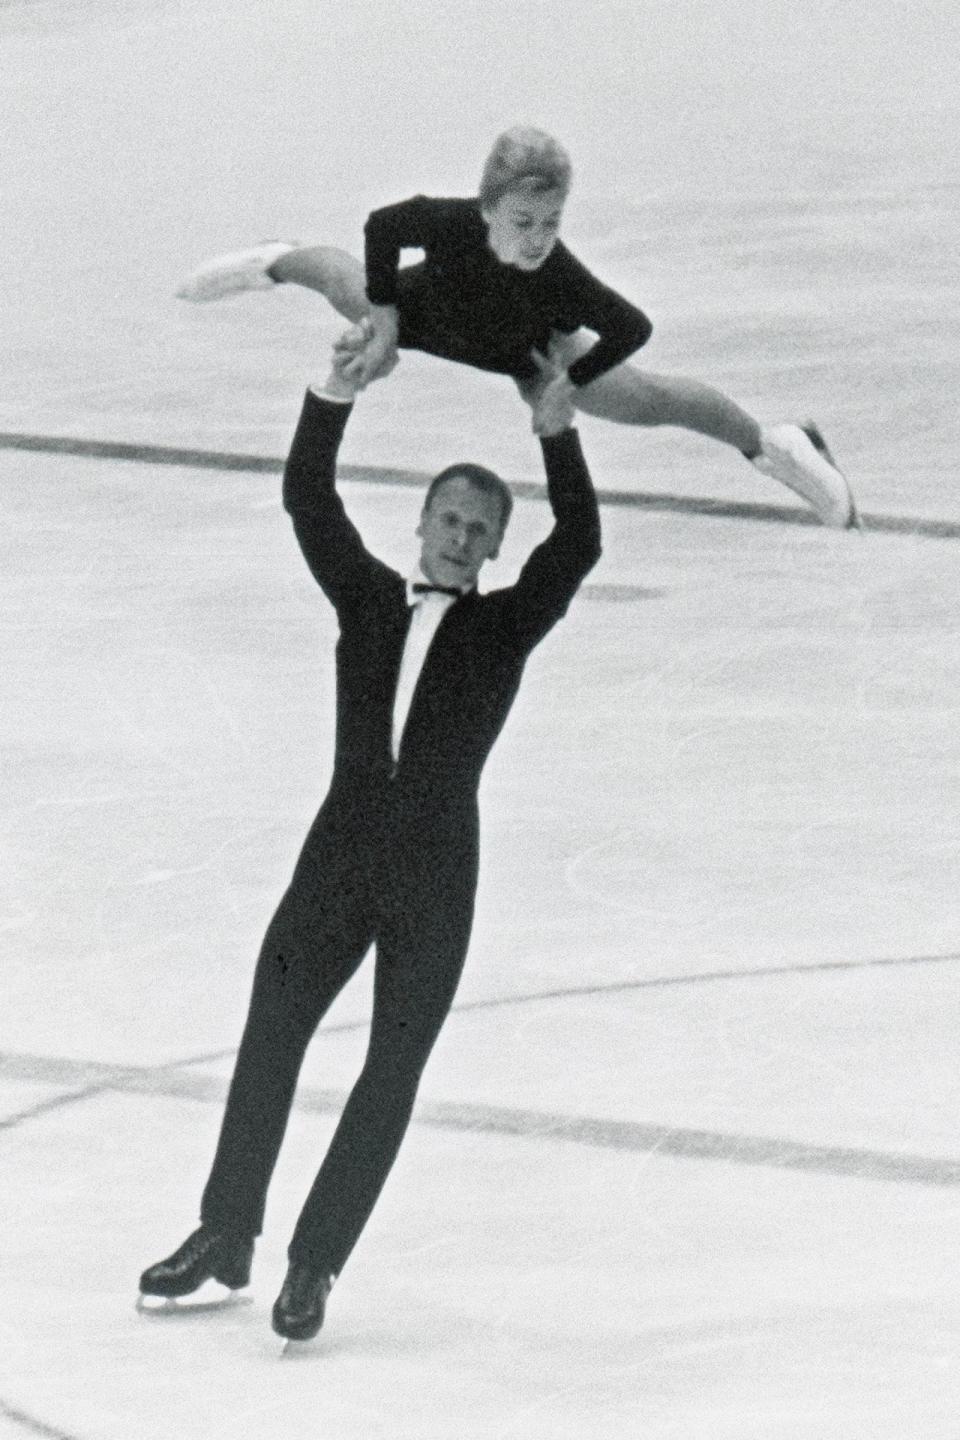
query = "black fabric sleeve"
{"x": 555, "y": 569}
{"x": 331, "y": 544}
{"x": 407, "y": 225}
{"x": 620, "y": 326}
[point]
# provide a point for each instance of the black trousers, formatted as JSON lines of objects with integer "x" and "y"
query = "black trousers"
{"x": 360, "y": 880}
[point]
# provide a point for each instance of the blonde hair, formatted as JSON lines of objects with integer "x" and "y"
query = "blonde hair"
{"x": 528, "y": 157}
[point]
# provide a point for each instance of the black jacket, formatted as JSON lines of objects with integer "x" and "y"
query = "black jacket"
{"x": 476, "y": 659}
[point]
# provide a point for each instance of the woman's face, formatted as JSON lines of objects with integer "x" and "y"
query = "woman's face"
{"x": 522, "y": 226}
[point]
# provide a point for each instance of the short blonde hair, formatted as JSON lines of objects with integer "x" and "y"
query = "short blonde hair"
{"x": 528, "y": 157}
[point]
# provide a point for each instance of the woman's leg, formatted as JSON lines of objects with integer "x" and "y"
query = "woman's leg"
{"x": 333, "y": 273}
{"x": 796, "y": 456}
{"x": 631, "y": 396}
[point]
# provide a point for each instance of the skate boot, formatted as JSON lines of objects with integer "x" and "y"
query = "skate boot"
{"x": 300, "y": 1306}
{"x": 797, "y": 456}
{"x": 204, "y": 1255}
{"x": 233, "y": 273}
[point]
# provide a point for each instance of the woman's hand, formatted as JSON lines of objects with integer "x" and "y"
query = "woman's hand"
{"x": 369, "y": 349}
{"x": 553, "y": 407}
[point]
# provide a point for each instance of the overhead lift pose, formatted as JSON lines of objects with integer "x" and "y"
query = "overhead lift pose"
{"x": 427, "y": 670}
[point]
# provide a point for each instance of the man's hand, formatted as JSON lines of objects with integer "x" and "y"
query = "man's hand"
{"x": 338, "y": 384}
{"x": 369, "y": 350}
{"x": 553, "y": 407}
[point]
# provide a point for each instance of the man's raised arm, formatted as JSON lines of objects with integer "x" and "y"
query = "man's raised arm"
{"x": 331, "y": 544}
{"x": 556, "y": 568}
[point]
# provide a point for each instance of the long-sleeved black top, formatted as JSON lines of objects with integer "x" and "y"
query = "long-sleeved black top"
{"x": 464, "y": 304}
{"x": 476, "y": 659}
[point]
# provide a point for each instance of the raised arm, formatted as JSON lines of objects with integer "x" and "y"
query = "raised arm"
{"x": 331, "y": 544}
{"x": 556, "y": 568}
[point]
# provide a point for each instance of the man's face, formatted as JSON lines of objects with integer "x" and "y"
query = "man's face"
{"x": 523, "y": 225}
{"x": 459, "y": 530}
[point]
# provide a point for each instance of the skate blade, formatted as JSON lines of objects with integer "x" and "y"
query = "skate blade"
{"x": 184, "y": 1305}
{"x": 292, "y": 1349}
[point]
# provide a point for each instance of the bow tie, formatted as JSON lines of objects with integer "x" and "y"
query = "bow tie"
{"x": 420, "y": 589}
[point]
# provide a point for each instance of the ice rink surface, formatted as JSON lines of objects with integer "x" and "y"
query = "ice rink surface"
{"x": 686, "y": 1159}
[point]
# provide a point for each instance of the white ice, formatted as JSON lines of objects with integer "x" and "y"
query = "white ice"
{"x": 686, "y": 1157}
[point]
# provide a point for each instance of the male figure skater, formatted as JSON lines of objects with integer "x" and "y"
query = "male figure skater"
{"x": 427, "y": 670}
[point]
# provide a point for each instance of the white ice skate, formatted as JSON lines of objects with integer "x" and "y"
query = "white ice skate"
{"x": 797, "y": 456}
{"x": 234, "y": 273}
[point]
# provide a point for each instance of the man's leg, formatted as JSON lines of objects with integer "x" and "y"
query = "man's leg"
{"x": 294, "y": 985}
{"x": 313, "y": 945}
{"x": 421, "y": 950}
{"x": 418, "y": 968}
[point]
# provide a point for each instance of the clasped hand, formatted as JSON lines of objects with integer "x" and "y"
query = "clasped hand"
{"x": 365, "y": 352}
{"x": 553, "y": 407}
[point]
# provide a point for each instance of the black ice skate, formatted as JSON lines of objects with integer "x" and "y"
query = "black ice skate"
{"x": 204, "y": 1255}
{"x": 300, "y": 1306}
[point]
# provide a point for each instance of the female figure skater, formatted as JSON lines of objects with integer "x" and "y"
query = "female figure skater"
{"x": 498, "y": 290}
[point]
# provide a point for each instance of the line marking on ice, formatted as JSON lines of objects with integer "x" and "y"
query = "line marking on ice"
{"x": 199, "y": 459}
